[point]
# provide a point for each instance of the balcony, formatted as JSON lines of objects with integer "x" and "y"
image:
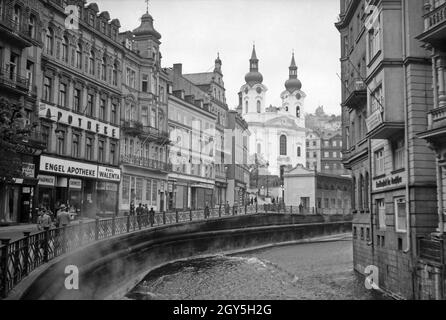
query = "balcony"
{"x": 144, "y": 162}
{"x": 434, "y": 26}
{"x": 151, "y": 134}
{"x": 378, "y": 127}
{"x": 12, "y": 81}
{"x": 357, "y": 93}
{"x": 16, "y": 32}
{"x": 437, "y": 126}
{"x": 32, "y": 143}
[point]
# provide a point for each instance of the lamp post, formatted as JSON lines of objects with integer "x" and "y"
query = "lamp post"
{"x": 267, "y": 177}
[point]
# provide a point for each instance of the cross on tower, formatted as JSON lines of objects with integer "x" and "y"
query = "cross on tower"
{"x": 147, "y": 4}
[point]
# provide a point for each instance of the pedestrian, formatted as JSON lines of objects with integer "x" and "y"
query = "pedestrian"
{"x": 152, "y": 216}
{"x": 139, "y": 212}
{"x": 206, "y": 211}
{"x": 63, "y": 218}
{"x": 146, "y": 215}
{"x": 44, "y": 221}
{"x": 132, "y": 208}
{"x": 59, "y": 212}
{"x": 227, "y": 208}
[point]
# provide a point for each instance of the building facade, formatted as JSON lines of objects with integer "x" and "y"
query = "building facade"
{"x": 313, "y": 142}
{"x": 212, "y": 83}
{"x": 277, "y": 134}
{"x": 331, "y": 154}
{"x": 144, "y": 123}
{"x": 21, "y": 44}
{"x": 431, "y": 266}
{"x": 192, "y": 154}
{"x": 317, "y": 192}
{"x": 79, "y": 90}
{"x": 384, "y": 76}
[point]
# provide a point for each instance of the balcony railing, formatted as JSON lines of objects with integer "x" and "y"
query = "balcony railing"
{"x": 435, "y": 17}
{"x": 19, "y": 30}
{"x": 138, "y": 128}
{"x": 11, "y": 79}
{"x": 144, "y": 162}
{"x": 356, "y": 92}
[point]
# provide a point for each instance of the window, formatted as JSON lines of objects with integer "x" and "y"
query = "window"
{"x": 298, "y": 111}
{"x": 113, "y": 113}
{"x": 115, "y": 74}
{"x": 375, "y": 39}
{"x": 31, "y": 25}
{"x": 299, "y": 151}
{"x": 381, "y": 213}
{"x": 101, "y": 151}
{"x": 354, "y": 191}
{"x": 379, "y": 162}
{"x": 149, "y": 191}
{"x": 399, "y": 155}
{"x": 258, "y": 106}
{"x": 246, "y": 107}
{"x": 78, "y": 60}
{"x": 376, "y": 99}
{"x": 355, "y": 233}
{"x": 145, "y": 83}
{"x": 17, "y": 16}
{"x": 90, "y": 105}
{"x": 47, "y": 88}
{"x": 102, "y": 110}
{"x": 89, "y": 148}
{"x": 154, "y": 191}
{"x": 125, "y": 189}
{"x": 75, "y": 146}
{"x": 91, "y": 60}
{"x": 60, "y": 145}
{"x": 77, "y": 100}
{"x": 62, "y": 94}
{"x": 29, "y": 74}
{"x": 326, "y": 203}
{"x": 64, "y": 49}
{"x": 283, "y": 145}
{"x": 49, "y": 41}
{"x": 104, "y": 69}
{"x": 112, "y": 154}
{"x": 46, "y": 136}
{"x": 400, "y": 214}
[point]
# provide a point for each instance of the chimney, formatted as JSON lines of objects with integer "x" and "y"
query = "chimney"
{"x": 178, "y": 69}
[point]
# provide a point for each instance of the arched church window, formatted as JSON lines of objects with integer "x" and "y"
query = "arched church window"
{"x": 299, "y": 151}
{"x": 298, "y": 111}
{"x": 246, "y": 106}
{"x": 258, "y": 106}
{"x": 283, "y": 142}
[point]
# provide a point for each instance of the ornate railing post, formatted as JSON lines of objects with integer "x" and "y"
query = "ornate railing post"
{"x": 96, "y": 229}
{"x": 26, "y": 253}
{"x": 164, "y": 217}
{"x": 176, "y": 216}
{"x": 4, "y": 262}
{"x": 46, "y": 244}
{"x": 113, "y": 225}
{"x": 128, "y": 223}
{"x": 190, "y": 214}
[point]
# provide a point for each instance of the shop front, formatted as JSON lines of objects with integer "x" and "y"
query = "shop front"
{"x": 202, "y": 194}
{"x": 88, "y": 190}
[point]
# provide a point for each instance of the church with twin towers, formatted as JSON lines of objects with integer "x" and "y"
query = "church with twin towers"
{"x": 277, "y": 133}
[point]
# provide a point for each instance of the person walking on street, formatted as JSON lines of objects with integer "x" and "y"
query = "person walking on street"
{"x": 44, "y": 221}
{"x": 152, "y": 216}
{"x": 59, "y": 212}
{"x": 145, "y": 212}
{"x": 139, "y": 211}
{"x": 206, "y": 211}
{"x": 132, "y": 208}
{"x": 63, "y": 218}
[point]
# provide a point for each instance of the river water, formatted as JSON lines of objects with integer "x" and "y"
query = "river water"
{"x": 297, "y": 272}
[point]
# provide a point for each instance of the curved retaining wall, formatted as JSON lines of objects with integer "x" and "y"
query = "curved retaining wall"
{"x": 109, "y": 268}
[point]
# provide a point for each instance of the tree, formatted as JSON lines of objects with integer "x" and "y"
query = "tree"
{"x": 13, "y": 131}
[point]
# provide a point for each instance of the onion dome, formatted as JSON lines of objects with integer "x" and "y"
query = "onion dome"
{"x": 293, "y": 83}
{"x": 254, "y": 76}
{"x": 146, "y": 28}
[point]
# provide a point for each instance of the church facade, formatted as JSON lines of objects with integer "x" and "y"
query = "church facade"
{"x": 277, "y": 133}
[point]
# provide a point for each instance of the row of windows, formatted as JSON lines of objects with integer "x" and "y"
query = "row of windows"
{"x": 140, "y": 190}
{"x": 332, "y": 203}
{"x": 399, "y": 204}
{"x": 105, "y": 111}
{"x": 77, "y": 143}
{"x": 134, "y": 147}
{"x": 360, "y": 194}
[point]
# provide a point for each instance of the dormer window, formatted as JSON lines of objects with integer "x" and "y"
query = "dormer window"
{"x": 91, "y": 19}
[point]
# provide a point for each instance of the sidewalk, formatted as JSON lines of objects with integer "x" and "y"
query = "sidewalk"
{"x": 15, "y": 232}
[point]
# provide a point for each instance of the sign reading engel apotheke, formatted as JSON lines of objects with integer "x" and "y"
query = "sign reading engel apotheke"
{"x": 72, "y": 168}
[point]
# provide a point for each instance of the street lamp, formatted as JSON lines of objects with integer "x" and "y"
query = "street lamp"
{"x": 267, "y": 177}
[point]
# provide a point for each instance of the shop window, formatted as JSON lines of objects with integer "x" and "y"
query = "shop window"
{"x": 125, "y": 189}
{"x": 149, "y": 191}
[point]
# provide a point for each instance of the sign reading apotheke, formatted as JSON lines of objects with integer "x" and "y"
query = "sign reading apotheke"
{"x": 67, "y": 167}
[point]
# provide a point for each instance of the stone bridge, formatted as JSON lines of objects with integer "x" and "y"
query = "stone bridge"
{"x": 113, "y": 255}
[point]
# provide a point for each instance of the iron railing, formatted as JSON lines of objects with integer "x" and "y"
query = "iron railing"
{"x": 19, "y": 258}
{"x": 144, "y": 162}
{"x": 10, "y": 78}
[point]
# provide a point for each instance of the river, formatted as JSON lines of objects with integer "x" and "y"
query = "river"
{"x": 310, "y": 271}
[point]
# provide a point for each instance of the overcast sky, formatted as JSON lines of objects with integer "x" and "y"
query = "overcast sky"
{"x": 193, "y": 31}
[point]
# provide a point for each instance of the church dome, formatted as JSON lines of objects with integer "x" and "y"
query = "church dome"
{"x": 146, "y": 28}
{"x": 253, "y": 77}
{"x": 293, "y": 84}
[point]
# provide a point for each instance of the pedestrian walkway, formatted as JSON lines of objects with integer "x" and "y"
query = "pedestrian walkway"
{"x": 15, "y": 232}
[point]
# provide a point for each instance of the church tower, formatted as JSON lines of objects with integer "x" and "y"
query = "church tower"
{"x": 253, "y": 91}
{"x": 293, "y": 97}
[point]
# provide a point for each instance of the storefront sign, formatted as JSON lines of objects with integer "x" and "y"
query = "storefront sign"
{"x": 28, "y": 170}
{"x": 106, "y": 173}
{"x": 78, "y": 121}
{"x": 46, "y": 180}
{"x": 389, "y": 182}
{"x": 75, "y": 184}
{"x": 67, "y": 167}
